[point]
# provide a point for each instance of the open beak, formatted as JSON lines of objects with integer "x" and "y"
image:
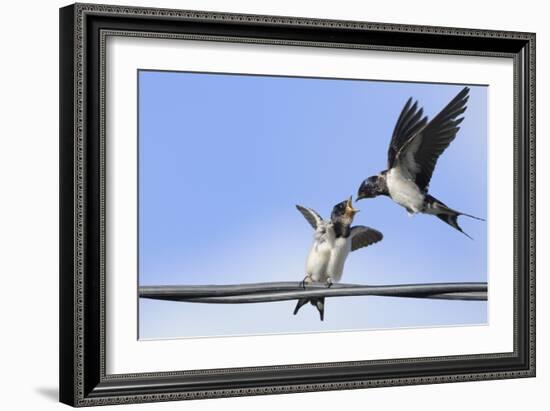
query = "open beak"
{"x": 350, "y": 211}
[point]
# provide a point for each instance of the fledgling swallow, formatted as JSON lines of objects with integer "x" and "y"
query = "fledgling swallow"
{"x": 415, "y": 147}
{"x": 333, "y": 241}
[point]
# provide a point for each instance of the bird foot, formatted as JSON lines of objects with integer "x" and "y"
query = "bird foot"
{"x": 307, "y": 280}
{"x": 329, "y": 282}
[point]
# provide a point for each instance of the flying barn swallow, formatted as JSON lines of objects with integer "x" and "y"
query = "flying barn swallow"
{"x": 415, "y": 147}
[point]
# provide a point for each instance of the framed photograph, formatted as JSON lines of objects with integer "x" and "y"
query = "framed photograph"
{"x": 261, "y": 204}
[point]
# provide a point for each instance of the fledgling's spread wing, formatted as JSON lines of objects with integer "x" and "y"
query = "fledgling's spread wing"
{"x": 362, "y": 236}
{"x": 310, "y": 215}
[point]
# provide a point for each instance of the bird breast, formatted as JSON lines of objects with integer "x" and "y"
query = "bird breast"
{"x": 325, "y": 261}
{"x": 404, "y": 191}
{"x": 318, "y": 259}
{"x": 338, "y": 256}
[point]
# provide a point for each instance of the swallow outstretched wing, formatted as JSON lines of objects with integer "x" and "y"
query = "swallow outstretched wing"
{"x": 416, "y": 144}
{"x": 362, "y": 236}
{"x": 310, "y": 215}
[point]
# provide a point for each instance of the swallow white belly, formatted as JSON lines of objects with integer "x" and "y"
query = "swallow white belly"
{"x": 317, "y": 261}
{"x": 340, "y": 251}
{"x": 404, "y": 191}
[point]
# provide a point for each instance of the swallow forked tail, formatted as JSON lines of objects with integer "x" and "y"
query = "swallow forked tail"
{"x": 317, "y": 302}
{"x": 446, "y": 214}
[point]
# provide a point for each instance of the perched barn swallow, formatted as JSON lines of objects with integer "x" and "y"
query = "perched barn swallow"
{"x": 415, "y": 146}
{"x": 333, "y": 241}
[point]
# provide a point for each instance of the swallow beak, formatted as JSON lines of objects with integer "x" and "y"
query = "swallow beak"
{"x": 350, "y": 211}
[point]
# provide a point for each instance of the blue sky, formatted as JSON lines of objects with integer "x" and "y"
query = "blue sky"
{"x": 223, "y": 159}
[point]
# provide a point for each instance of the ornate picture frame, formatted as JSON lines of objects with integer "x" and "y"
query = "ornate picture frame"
{"x": 84, "y": 83}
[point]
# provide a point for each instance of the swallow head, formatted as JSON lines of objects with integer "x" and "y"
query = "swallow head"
{"x": 344, "y": 211}
{"x": 368, "y": 188}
